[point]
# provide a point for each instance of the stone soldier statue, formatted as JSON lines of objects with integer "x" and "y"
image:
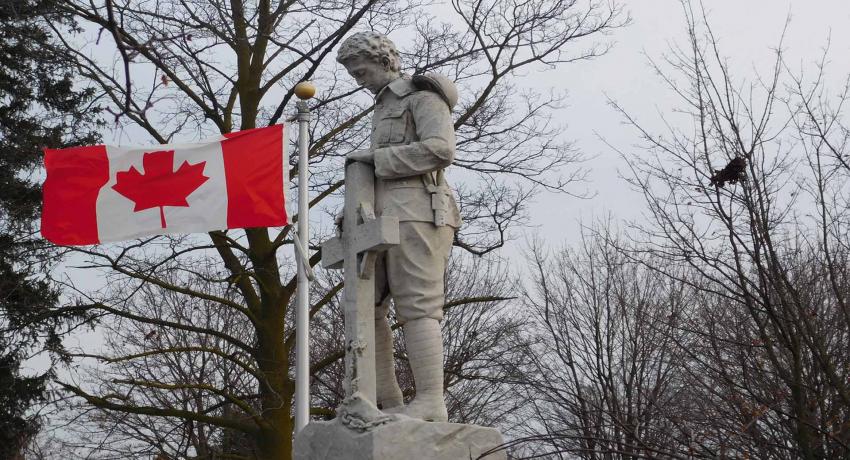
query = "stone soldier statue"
{"x": 412, "y": 142}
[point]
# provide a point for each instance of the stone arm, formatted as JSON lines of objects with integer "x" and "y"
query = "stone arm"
{"x": 435, "y": 148}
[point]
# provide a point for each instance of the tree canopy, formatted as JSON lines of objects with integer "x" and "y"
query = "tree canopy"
{"x": 40, "y": 107}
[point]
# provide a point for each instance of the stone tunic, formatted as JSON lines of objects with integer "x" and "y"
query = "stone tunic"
{"x": 412, "y": 138}
{"x": 412, "y": 135}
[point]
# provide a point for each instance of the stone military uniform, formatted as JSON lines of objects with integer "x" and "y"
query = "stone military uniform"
{"x": 413, "y": 139}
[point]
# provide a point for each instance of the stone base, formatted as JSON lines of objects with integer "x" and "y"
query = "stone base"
{"x": 403, "y": 439}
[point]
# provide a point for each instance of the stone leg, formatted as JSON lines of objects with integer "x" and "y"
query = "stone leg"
{"x": 415, "y": 270}
{"x": 388, "y": 393}
{"x": 424, "y": 342}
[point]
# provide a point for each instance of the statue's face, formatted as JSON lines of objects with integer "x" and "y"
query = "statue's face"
{"x": 370, "y": 74}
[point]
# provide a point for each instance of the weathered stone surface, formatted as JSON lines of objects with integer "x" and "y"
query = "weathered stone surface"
{"x": 404, "y": 439}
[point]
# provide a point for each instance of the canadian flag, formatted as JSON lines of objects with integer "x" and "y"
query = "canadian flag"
{"x": 107, "y": 193}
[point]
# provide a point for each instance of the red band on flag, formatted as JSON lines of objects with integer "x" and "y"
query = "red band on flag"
{"x": 74, "y": 179}
{"x": 253, "y": 165}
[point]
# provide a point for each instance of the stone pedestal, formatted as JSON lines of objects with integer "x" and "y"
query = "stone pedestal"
{"x": 402, "y": 439}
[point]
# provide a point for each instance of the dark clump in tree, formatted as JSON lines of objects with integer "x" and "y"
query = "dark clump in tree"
{"x": 40, "y": 108}
{"x": 732, "y": 172}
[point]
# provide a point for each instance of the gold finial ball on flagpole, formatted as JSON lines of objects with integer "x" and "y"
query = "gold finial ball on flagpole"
{"x": 305, "y": 90}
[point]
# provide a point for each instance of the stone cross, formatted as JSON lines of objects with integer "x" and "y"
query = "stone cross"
{"x": 363, "y": 236}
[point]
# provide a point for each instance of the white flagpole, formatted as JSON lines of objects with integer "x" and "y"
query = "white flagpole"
{"x": 304, "y": 91}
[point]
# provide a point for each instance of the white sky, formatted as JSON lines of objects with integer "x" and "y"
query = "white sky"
{"x": 748, "y": 31}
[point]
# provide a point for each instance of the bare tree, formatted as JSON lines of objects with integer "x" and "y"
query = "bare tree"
{"x": 766, "y": 255}
{"x": 606, "y": 373}
{"x": 183, "y": 68}
{"x": 483, "y": 345}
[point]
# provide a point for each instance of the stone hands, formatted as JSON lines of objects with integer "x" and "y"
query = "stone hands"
{"x": 365, "y": 156}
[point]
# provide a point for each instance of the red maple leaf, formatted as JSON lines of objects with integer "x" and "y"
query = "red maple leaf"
{"x": 159, "y": 186}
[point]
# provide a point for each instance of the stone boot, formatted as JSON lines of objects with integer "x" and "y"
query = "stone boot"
{"x": 388, "y": 393}
{"x": 424, "y": 342}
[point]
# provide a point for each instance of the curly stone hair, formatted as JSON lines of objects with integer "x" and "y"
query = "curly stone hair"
{"x": 369, "y": 45}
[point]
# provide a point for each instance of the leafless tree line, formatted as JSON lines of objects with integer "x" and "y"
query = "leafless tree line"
{"x": 718, "y": 327}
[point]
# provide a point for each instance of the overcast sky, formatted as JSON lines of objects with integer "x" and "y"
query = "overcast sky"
{"x": 748, "y": 31}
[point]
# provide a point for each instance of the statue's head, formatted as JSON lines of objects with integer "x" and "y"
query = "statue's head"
{"x": 371, "y": 58}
